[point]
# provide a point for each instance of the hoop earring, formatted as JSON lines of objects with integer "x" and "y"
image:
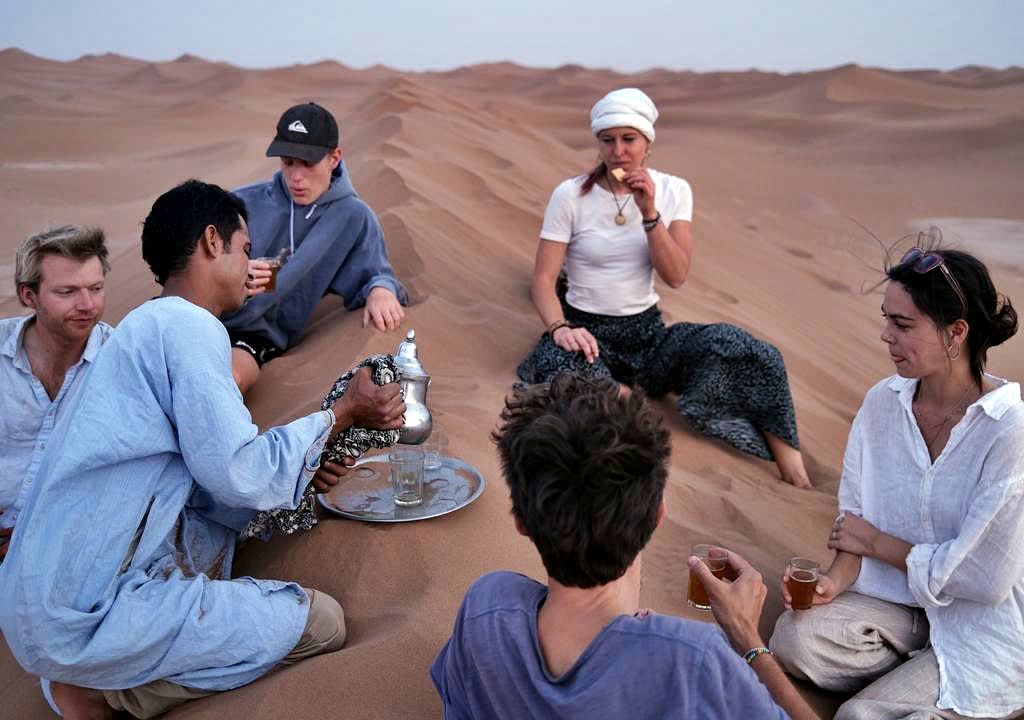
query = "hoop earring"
{"x": 950, "y": 350}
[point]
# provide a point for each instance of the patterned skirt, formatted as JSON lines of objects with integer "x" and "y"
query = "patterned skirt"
{"x": 731, "y": 386}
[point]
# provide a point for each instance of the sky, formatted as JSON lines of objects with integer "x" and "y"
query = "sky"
{"x": 785, "y": 36}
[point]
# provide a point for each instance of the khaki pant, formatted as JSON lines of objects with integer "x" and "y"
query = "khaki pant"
{"x": 857, "y": 641}
{"x": 324, "y": 632}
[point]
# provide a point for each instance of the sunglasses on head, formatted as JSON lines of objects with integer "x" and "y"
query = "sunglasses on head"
{"x": 921, "y": 261}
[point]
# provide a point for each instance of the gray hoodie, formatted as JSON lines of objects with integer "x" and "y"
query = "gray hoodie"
{"x": 337, "y": 247}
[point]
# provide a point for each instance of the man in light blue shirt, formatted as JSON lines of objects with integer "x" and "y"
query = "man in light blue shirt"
{"x": 111, "y": 589}
{"x": 44, "y": 357}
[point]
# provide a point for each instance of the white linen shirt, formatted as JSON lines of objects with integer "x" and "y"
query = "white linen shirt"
{"x": 964, "y": 516}
{"x": 27, "y": 414}
{"x": 609, "y": 266}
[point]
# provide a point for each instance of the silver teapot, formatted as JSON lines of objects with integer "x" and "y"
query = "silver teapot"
{"x": 415, "y": 382}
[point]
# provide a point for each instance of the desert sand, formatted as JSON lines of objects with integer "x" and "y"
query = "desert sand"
{"x": 793, "y": 175}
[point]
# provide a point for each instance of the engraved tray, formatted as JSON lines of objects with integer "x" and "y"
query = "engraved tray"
{"x": 365, "y": 493}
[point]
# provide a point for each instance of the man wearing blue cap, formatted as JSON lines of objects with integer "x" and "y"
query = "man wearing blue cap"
{"x": 310, "y": 213}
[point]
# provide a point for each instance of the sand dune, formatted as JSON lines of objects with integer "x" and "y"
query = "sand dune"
{"x": 857, "y": 84}
{"x": 792, "y": 174}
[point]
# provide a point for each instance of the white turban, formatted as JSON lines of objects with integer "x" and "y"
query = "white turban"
{"x": 626, "y": 107}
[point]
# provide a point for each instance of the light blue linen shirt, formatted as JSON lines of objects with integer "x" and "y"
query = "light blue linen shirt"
{"x": 27, "y": 415}
{"x": 158, "y": 464}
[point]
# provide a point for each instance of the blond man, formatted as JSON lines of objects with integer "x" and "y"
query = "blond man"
{"x": 45, "y": 355}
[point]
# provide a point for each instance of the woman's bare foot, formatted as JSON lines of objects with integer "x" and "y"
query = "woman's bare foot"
{"x": 79, "y": 703}
{"x": 789, "y": 460}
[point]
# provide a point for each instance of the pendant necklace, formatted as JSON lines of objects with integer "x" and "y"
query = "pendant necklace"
{"x": 620, "y": 218}
{"x": 934, "y": 429}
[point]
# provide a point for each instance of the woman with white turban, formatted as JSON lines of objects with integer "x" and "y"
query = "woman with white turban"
{"x": 612, "y": 229}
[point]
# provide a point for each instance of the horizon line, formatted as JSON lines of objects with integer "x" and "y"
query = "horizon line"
{"x": 189, "y": 56}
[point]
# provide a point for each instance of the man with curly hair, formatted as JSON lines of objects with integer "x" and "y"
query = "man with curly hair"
{"x": 586, "y": 470}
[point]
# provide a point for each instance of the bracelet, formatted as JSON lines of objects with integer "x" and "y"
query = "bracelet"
{"x": 652, "y": 223}
{"x": 556, "y": 326}
{"x": 754, "y": 653}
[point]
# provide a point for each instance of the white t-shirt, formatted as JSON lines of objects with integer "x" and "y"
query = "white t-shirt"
{"x": 608, "y": 265}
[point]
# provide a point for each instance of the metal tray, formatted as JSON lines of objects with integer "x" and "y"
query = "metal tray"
{"x": 365, "y": 493}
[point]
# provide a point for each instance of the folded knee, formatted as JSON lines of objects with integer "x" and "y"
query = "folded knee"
{"x": 334, "y": 623}
{"x": 799, "y": 645}
{"x": 855, "y": 709}
{"x": 802, "y": 643}
{"x": 790, "y": 644}
{"x": 325, "y": 627}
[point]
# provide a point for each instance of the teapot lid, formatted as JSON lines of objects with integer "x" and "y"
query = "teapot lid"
{"x": 407, "y": 357}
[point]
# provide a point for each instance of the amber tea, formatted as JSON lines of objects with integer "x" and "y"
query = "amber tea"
{"x": 275, "y": 265}
{"x": 715, "y": 558}
{"x": 803, "y": 579}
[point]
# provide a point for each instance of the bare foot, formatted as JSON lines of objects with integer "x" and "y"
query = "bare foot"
{"x": 79, "y": 703}
{"x": 790, "y": 462}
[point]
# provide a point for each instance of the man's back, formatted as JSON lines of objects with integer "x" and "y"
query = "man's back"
{"x": 641, "y": 667}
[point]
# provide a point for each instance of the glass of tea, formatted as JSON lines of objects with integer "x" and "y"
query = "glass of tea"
{"x": 716, "y": 558}
{"x": 275, "y": 264}
{"x": 433, "y": 449}
{"x": 407, "y": 476}
{"x": 803, "y": 579}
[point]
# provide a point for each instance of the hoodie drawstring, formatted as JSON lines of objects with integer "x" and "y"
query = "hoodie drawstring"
{"x": 291, "y": 224}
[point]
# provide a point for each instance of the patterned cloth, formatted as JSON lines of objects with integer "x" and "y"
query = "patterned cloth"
{"x": 351, "y": 443}
{"x": 731, "y": 386}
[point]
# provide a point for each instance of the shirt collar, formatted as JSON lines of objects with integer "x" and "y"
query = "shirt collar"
{"x": 95, "y": 342}
{"x": 14, "y": 345}
{"x": 994, "y": 403}
{"x": 15, "y": 339}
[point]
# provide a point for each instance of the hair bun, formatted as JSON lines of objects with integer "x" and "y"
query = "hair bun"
{"x": 1004, "y": 322}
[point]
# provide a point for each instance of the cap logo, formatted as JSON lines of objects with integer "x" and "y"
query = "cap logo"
{"x": 297, "y": 126}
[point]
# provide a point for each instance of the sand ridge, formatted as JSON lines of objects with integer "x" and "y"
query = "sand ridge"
{"x": 791, "y": 174}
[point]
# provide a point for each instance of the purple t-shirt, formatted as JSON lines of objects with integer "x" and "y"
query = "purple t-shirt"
{"x": 652, "y": 667}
